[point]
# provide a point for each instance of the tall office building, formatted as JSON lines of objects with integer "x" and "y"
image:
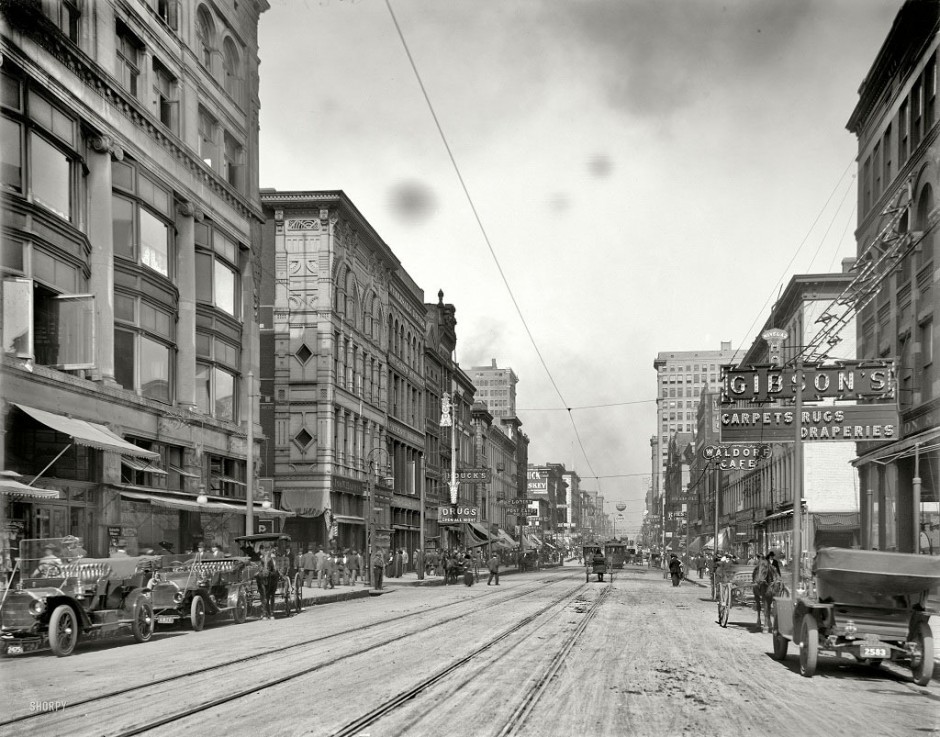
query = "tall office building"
{"x": 130, "y": 222}
{"x": 496, "y": 387}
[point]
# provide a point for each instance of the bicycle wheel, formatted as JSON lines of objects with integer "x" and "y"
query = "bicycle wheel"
{"x": 724, "y": 604}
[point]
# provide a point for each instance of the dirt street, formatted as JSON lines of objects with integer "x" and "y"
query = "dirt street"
{"x": 543, "y": 654}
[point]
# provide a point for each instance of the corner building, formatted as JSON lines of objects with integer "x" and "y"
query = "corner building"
{"x": 130, "y": 223}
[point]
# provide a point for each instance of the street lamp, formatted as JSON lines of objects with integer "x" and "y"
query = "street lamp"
{"x": 389, "y": 480}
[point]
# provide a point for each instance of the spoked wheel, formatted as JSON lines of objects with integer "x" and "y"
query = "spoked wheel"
{"x": 809, "y": 646}
{"x": 143, "y": 624}
{"x": 197, "y": 613}
{"x": 781, "y": 643}
{"x": 922, "y": 662}
{"x": 63, "y": 630}
{"x": 288, "y": 596}
{"x": 240, "y": 613}
{"x": 724, "y": 605}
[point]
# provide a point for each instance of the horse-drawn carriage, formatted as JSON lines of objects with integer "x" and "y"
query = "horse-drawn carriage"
{"x": 741, "y": 585}
{"x": 194, "y": 586}
{"x": 596, "y": 563}
{"x": 616, "y": 553}
{"x": 272, "y": 573}
{"x": 869, "y": 604}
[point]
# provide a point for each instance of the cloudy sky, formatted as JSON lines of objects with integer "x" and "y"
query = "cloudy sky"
{"x": 620, "y": 178}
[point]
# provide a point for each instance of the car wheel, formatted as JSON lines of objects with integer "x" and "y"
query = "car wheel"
{"x": 809, "y": 646}
{"x": 197, "y": 613}
{"x": 240, "y": 613}
{"x": 142, "y": 626}
{"x": 922, "y": 663}
{"x": 63, "y": 630}
{"x": 781, "y": 643}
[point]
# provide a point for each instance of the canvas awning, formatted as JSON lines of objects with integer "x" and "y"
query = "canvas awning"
{"x": 924, "y": 441}
{"x": 348, "y": 519}
{"x": 139, "y": 465}
{"x": 476, "y": 535}
{"x": 506, "y": 537}
{"x": 86, "y": 433}
{"x": 17, "y": 489}
{"x": 191, "y": 505}
{"x": 696, "y": 545}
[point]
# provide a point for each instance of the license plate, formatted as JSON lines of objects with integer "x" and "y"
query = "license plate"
{"x": 166, "y": 620}
{"x": 873, "y": 652}
{"x": 14, "y": 649}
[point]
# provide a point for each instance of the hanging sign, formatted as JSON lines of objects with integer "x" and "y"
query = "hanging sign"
{"x": 853, "y": 423}
{"x": 844, "y": 380}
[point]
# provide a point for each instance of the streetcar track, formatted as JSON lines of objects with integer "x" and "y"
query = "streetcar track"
{"x": 533, "y": 587}
{"x": 388, "y": 707}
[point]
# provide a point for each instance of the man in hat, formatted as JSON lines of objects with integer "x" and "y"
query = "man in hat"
{"x": 49, "y": 565}
{"x": 308, "y": 564}
{"x": 675, "y": 569}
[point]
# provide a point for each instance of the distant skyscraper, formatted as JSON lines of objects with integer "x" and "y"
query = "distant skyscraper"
{"x": 496, "y": 387}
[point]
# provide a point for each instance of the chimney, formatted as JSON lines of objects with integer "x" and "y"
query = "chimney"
{"x": 725, "y": 345}
{"x": 492, "y": 363}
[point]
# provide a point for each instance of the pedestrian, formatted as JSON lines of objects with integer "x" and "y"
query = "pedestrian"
{"x": 321, "y": 559}
{"x": 675, "y": 569}
{"x": 330, "y": 567}
{"x": 404, "y": 560}
{"x": 700, "y": 565}
{"x": 378, "y": 568}
{"x": 308, "y": 564}
{"x": 493, "y": 567}
{"x": 397, "y": 562}
{"x": 353, "y": 566}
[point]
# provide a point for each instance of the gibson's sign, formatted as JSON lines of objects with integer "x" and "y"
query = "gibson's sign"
{"x": 855, "y": 423}
{"x": 846, "y": 380}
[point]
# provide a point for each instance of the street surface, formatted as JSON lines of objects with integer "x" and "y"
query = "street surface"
{"x": 543, "y": 654}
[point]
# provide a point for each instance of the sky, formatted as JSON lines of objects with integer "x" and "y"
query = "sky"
{"x": 590, "y": 182}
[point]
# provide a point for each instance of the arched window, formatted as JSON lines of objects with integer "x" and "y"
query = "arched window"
{"x": 231, "y": 67}
{"x": 339, "y": 301}
{"x": 205, "y": 37}
{"x": 351, "y": 302}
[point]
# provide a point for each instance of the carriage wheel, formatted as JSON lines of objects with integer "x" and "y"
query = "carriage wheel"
{"x": 724, "y": 605}
{"x": 142, "y": 626}
{"x": 63, "y": 630}
{"x": 922, "y": 662}
{"x": 240, "y": 612}
{"x": 781, "y": 643}
{"x": 809, "y": 646}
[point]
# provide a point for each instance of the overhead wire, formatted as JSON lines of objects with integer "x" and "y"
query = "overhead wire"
{"x": 486, "y": 238}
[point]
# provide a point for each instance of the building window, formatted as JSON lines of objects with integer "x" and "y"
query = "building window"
{"x": 51, "y": 328}
{"x": 926, "y": 360}
{"x": 217, "y": 275}
{"x": 916, "y": 108}
{"x": 208, "y": 151}
{"x": 128, "y": 49}
{"x": 205, "y": 37}
{"x": 143, "y": 336}
{"x": 38, "y": 149}
{"x": 902, "y": 134}
{"x": 168, "y": 12}
{"x": 141, "y": 223}
{"x": 886, "y": 155}
{"x": 65, "y": 15}
{"x": 216, "y": 377}
{"x": 232, "y": 162}
{"x": 225, "y": 477}
{"x": 930, "y": 94}
{"x": 231, "y": 67}
{"x": 165, "y": 92}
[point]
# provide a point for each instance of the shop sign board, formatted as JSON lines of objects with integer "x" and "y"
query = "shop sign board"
{"x": 844, "y": 380}
{"x": 852, "y": 423}
{"x": 476, "y": 475}
{"x": 736, "y": 456}
{"x": 455, "y": 514}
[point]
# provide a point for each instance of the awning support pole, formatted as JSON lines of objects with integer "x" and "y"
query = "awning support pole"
{"x": 916, "y": 497}
{"x": 50, "y": 464}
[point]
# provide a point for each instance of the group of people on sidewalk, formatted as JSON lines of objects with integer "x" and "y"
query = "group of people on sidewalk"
{"x": 338, "y": 567}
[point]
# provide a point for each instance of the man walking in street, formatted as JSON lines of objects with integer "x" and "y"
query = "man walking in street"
{"x": 378, "y": 568}
{"x": 308, "y": 564}
{"x": 493, "y": 567}
{"x": 353, "y": 567}
{"x": 321, "y": 559}
{"x": 404, "y": 561}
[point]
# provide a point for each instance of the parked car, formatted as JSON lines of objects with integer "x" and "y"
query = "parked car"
{"x": 194, "y": 588}
{"x": 56, "y": 597}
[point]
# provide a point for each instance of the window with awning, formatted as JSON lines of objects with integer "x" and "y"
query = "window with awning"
{"x": 87, "y": 433}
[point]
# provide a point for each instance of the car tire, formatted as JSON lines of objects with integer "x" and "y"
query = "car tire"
{"x": 809, "y": 646}
{"x": 922, "y": 667}
{"x": 143, "y": 623}
{"x": 63, "y": 630}
{"x": 197, "y": 613}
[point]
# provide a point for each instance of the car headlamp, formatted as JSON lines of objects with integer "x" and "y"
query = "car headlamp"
{"x": 178, "y": 597}
{"x": 37, "y": 607}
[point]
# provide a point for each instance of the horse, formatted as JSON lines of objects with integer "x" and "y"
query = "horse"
{"x": 766, "y": 585}
{"x": 267, "y": 579}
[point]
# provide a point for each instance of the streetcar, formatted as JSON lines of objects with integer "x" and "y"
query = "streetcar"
{"x": 616, "y": 553}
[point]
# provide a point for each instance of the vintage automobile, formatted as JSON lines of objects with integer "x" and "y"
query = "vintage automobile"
{"x": 57, "y": 596}
{"x": 194, "y": 588}
{"x": 871, "y": 605}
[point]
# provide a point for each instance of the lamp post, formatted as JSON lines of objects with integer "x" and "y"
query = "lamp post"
{"x": 370, "y": 494}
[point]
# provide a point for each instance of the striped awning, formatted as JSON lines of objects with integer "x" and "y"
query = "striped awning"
{"x": 87, "y": 433}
